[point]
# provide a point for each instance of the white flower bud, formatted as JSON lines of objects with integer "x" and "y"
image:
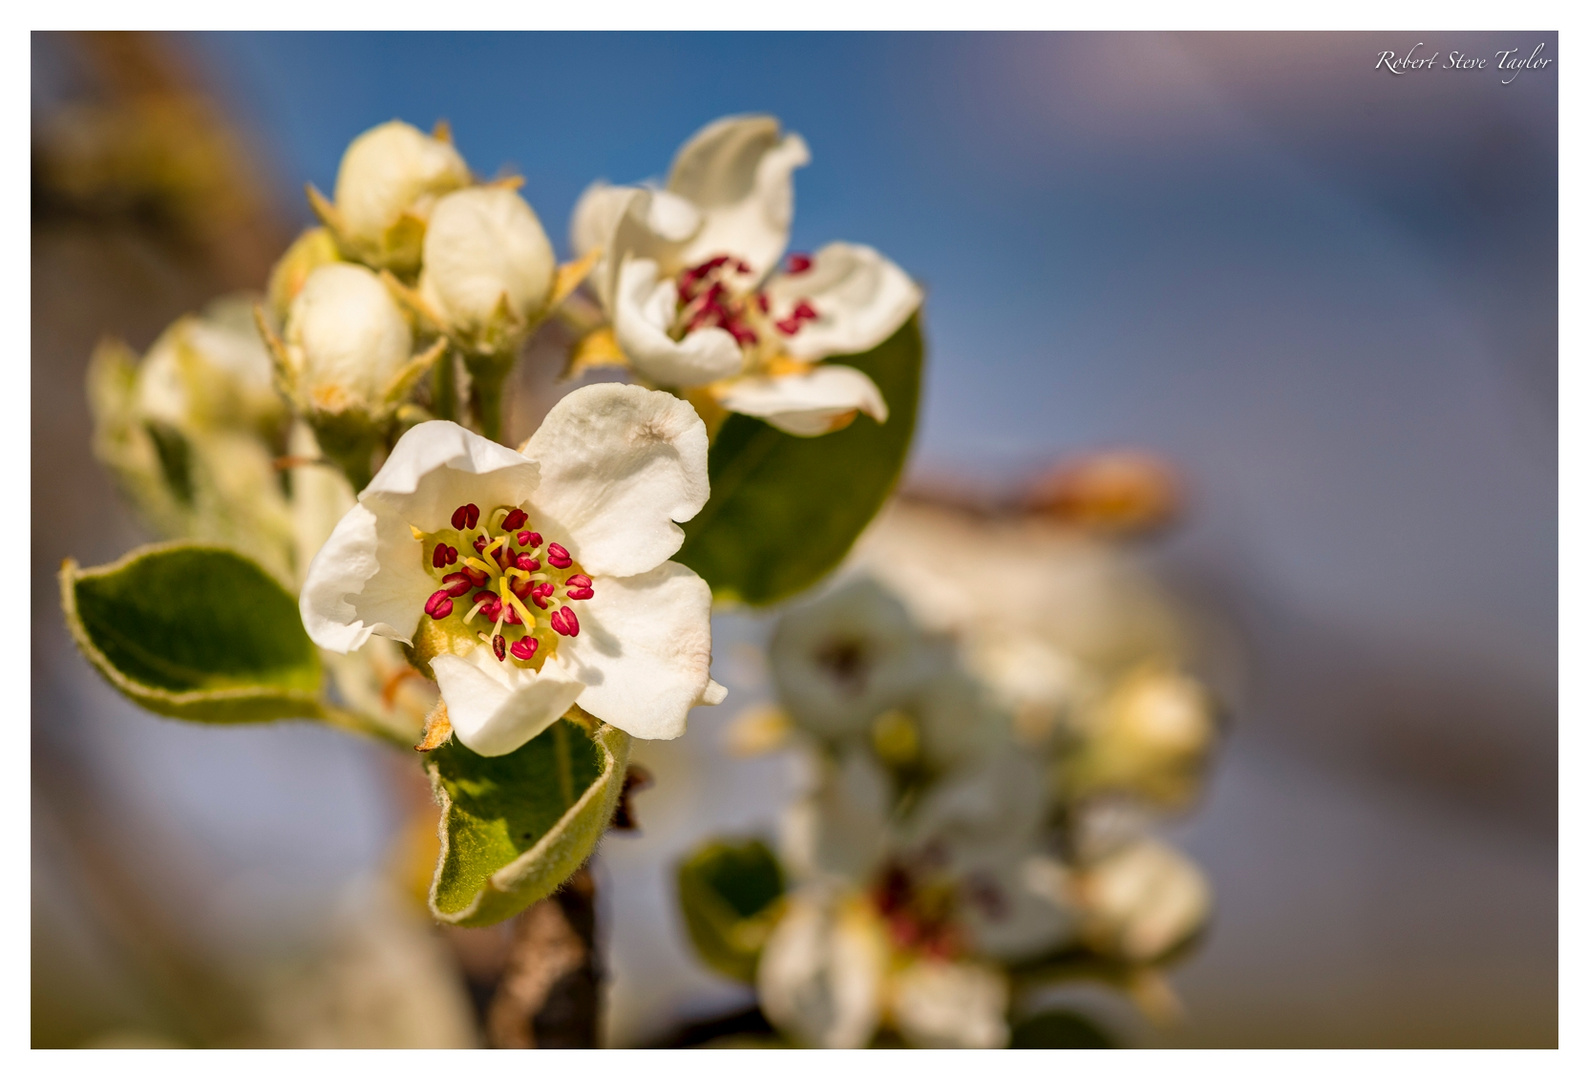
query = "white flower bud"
{"x": 210, "y": 371}
{"x": 488, "y": 266}
{"x": 1143, "y": 900}
{"x": 1149, "y": 737}
{"x": 346, "y": 339}
{"x": 389, "y": 180}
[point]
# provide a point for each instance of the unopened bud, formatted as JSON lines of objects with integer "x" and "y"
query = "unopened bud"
{"x": 488, "y": 267}
{"x": 346, "y": 339}
{"x": 313, "y": 249}
{"x": 388, "y": 182}
{"x": 1141, "y": 901}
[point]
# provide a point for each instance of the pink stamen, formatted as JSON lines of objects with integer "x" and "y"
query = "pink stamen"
{"x": 510, "y": 615}
{"x": 521, "y": 589}
{"x": 460, "y": 518}
{"x": 762, "y": 302}
{"x": 524, "y": 648}
{"x": 558, "y": 556}
{"x": 459, "y": 583}
{"x": 527, "y": 562}
{"x": 489, "y": 604}
{"x": 474, "y": 515}
{"x": 581, "y": 594}
{"x": 799, "y": 263}
{"x": 480, "y": 545}
{"x": 439, "y": 606}
{"x": 579, "y": 581}
{"x": 499, "y": 645}
{"x": 788, "y": 327}
{"x": 804, "y": 311}
{"x": 438, "y": 558}
{"x": 565, "y": 622}
{"x": 533, "y": 540}
{"x": 514, "y": 520}
{"x": 477, "y": 578}
{"x": 742, "y": 266}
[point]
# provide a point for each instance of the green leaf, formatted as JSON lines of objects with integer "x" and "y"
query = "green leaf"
{"x": 785, "y": 510}
{"x": 196, "y": 632}
{"x": 515, "y": 827}
{"x": 729, "y": 892}
{"x": 1059, "y": 1030}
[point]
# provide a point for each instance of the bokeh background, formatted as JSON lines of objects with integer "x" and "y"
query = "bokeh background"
{"x": 1327, "y": 294}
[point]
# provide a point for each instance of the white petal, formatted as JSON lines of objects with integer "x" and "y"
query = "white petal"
{"x": 714, "y": 694}
{"x": 643, "y": 311}
{"x": 820, "y": 978}
{"x": 942, "y": 1004}
{"x": 484, "y": 244}
{"x": 629, "y": 222}
{"x": 348, "y": 594}
{"x": 438, "y": 466}
{"x": 1144, "y": 900}
{"x": 859, "y": 296}
{"x": 497, "y": 707}
{"x": 596, "y": 215}
{"x": 839, "y": 830}
{"x": 644, "y": 649}
{"x": 390, "y": 170}
{"x": 619, "y": 465}
{"x": 816, "y": 402}
{"x": 739, "y": 172}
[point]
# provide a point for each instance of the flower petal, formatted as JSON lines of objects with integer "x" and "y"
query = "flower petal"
{"x": 860, "y": 298}
{"x": 631, "y": 221}
{"x": 497, "y": 707}
{"x": 643, "y": 311}
{"x": 821, "y": 973}
{"x": 839, "y": 830}
{"x": 739, "y": 172}
{"x": 644, "y": 650}
{"x": 438, "y": 465}
{"x": 349, "y": 594}
{"x": 621, "y": 464}
{"x": 815, "y": 402}
{"x": 936, "y": 1003}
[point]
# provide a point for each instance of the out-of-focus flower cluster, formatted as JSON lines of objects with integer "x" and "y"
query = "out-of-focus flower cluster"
{"x": 990, "y": 746}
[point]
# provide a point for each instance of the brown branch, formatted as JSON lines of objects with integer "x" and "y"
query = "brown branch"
{"x": 549, "y": 989}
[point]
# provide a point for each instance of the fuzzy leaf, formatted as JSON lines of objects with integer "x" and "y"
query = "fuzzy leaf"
{"x": 515, "y": 827}
{"x": 784, "y": 509}
{"x": 728, "y": 892}
{"x": 194, "y": 631}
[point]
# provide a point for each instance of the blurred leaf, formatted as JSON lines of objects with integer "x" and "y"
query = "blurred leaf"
{"x": 196, "y": 632}
{"x": 728, "y": 892}
{"x": 785, "y": 510}
{"x": 1059, "y": 1030}
{"x": 515, "y": 827}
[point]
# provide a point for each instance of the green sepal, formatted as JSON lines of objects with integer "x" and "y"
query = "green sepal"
{"x": 515, "y": 827}
{"x": 784, "y": 509}
{"x": 194, "y": 631}
{"x": 729, "y": 892}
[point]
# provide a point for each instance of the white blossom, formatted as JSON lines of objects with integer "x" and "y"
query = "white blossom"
{"x": 488, "y": 266}
{"x": 690, "y": 279}
{"x": 537, "y": 579}
{"x": 387, "y": 184}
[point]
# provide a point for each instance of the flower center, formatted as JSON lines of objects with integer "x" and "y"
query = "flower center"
{"x": 722, "y": 292}
{"x": 505, "y": 583}
{"x": 919, "y": 911}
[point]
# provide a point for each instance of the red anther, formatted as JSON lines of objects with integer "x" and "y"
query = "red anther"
{"x": 742, "y": 334}
{"x": 452, "y": 555}
{"x": 581, "y": 594}
{"x": 534, "y": 541}
{"x": 742, "y": 266}
{"x": 460, "y": 518}
{"x": 480, "y": 545}
{"x": 522, "y": 589}
{"x": 804, "y": 311}
{"x": 439, "y": 606}
{"x": 474, "y": 515}
{"x": 502, "y": 556}
{"x": 762, "y": 302}
{"x": 527, "y": 562}
{"x": 799, "y": 263}
{"x": 477, "y": 578}
{"x": 524, "y": 648}
{"x": 511, "y": 616}
{"x": 524, "y": 538}
{"x": 539, "y": 594}
{"x": 459, "y": 583}
{"x": 565, "y": 622}
{"x": 490, "y": 604}
{"x": 438, "y": 558}
{"x": 515, "y": 518}
{"x": 558, "y": 556}
{"x": 578, "y": 581}
{"x": 499, "y": 645}
{"x": 788, "y": 327}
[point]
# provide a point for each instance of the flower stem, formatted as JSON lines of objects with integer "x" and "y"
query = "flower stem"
{"x": 444, "y": 388}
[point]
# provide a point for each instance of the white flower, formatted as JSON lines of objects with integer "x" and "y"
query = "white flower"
{"x": 346, "y": 340}
{"x": 1150, "y": 737}
{"x": 537, "y": 579}
{"x": 389, "y": 180}
{"x": 211, "y": 371}
{"x": 488, "y": 267}
{"x": 688, "y": 276}
{"x": 1142, "y": 900}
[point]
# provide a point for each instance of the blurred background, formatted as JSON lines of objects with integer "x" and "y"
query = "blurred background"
{"x": 1326, "y": 294}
